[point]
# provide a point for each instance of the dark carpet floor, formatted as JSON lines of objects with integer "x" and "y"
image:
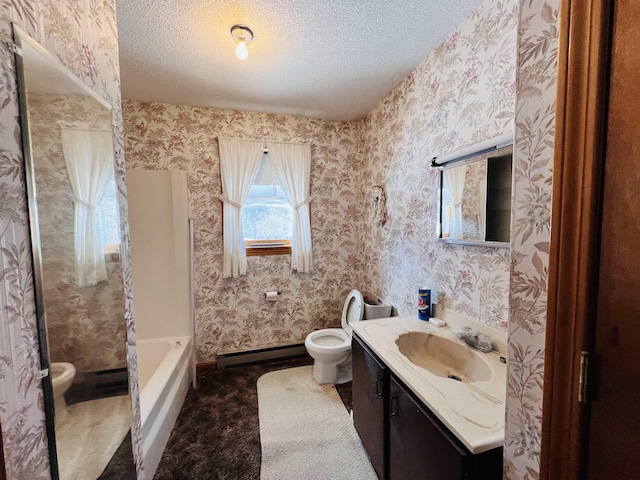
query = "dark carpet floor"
{"x": 217, "y": 434}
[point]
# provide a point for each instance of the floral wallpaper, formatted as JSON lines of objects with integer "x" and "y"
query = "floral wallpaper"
{"x": 445, "y": 101}
{"x": 231, "y": 314}
{"x": 441, "y": 106}
{"x": 462, "y": 93}
{"x": 85, "y": 326}
{"x": 531, "y": 221}
{"x": 82, "y": 35}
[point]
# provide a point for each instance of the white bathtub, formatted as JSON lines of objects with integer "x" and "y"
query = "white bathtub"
{"x": 163, "y": 376}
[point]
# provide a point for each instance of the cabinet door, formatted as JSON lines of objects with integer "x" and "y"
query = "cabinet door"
{"x": 419, "y": 447}
{"x": 369, "y": 392}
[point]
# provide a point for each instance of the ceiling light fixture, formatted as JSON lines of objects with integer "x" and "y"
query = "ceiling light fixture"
{"x": 242, "y": 35}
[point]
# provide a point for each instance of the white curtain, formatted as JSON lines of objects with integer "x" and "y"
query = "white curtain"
{"x": 88, "y": 155}
{"x": 293, "y": 164}
{"x": 454, "y": 183}
{"x": 239, "y": 161}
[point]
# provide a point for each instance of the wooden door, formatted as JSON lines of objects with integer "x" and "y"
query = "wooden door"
{"x": 614, "y": 423}
{"x": 593, "y": 291}
{"x": 369, "y": 392}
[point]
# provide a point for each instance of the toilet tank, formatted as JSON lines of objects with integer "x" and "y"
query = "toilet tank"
{"x": 374, "y": 306}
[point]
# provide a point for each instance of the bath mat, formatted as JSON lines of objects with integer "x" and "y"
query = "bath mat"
{"x": 305, "y": 430}
{"x": 89, "y": 436}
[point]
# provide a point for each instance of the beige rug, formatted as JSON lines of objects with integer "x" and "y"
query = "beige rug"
{"x": 89, "y": 436}
{"x": 305, "y": 430}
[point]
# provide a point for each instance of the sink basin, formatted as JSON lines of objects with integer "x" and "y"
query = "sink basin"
{"x": 444, "y": 357}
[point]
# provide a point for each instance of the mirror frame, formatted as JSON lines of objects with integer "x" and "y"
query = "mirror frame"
{"x": 465, "y": 157}
{"x": 3, "y": 472}
{"x": 20, "y": 38}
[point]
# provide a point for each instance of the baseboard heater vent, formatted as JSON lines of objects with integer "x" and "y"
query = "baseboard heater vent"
{"x": 248, "y": 357}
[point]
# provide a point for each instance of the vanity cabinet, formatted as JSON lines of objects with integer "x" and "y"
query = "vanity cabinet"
{"x": 418, "y": 446}
{"x": 421, "y": 447}
{"x": 403, "y": 438}
{"x": 370, "y": 393}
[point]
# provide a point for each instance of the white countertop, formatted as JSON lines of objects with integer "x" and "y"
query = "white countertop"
{"x": 474, "y": 412}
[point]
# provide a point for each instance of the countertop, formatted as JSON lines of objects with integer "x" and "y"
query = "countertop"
{"x": 474, "y": 412}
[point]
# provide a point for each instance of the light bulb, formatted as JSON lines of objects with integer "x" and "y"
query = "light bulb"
{"x": 241, "y": 50}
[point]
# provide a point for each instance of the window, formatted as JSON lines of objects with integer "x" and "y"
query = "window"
{"x": 240, "y": 160}
{"x": 267, "y": 214}
{"x": 108, "y": 218}
{"x": 88, "y": 156}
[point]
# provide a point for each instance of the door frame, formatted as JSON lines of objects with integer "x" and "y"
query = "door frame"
{"x": 584, "y": 54}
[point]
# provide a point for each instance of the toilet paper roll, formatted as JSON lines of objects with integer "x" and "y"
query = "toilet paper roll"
{"x": 271, "y": 296}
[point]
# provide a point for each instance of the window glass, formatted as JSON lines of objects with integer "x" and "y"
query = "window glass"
{"x": 267, "y": 214}
{"x": 108, "y": 216}
{"x": 447, "y": 207}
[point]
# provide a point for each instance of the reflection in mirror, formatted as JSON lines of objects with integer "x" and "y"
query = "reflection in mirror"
{"x": 475, "y": 199}
{"x": 76, "y": 235}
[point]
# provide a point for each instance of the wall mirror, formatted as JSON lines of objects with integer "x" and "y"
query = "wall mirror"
{"x": 474, "y": 197}
{"x": 75, "y": 235}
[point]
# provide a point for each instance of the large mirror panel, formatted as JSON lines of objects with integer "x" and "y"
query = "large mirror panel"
{"x": 68, "y": 143}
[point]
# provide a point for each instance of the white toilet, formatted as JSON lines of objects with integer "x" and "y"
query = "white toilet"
{"x": 331, "y": 347}
{"x": 62, "y": 375}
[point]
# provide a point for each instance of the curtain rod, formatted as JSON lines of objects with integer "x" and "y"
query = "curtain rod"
{"x": 474, "y": 150}
{"x": 264, "y": 140}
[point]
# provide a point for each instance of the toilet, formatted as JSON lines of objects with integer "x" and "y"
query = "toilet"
{"x": 331, "y": 347}
{"x": 62, "y": 375}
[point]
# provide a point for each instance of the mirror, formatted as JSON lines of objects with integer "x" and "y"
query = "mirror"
{"x": 474, "y": 206}
{"x": 75, "y": 230}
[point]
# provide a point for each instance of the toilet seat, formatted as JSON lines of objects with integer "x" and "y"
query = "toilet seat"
{"x": 330, "y": 339}
{"x": 62, "y": 376}
{"x": 62, "y": 372}
{"x": 353, "y": 310}
{"x": 331, "y": 347}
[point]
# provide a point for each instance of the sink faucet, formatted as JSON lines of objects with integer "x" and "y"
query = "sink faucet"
{"x": 478, "y": 341}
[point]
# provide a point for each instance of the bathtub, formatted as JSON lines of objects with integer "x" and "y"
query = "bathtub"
{"x": 163, "y": 377}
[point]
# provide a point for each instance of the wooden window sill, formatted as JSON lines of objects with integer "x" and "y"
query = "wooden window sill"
{"x": 259, "y": 251}
{"x": 268, "y": 247}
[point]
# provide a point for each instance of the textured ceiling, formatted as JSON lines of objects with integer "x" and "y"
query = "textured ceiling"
{"x": 333, "y": 59}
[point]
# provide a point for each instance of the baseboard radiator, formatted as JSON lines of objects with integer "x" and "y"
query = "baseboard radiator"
{"x": 248, "y": 357}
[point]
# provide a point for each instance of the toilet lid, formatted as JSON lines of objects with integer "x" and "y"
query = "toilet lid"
{"x": 353, "y": 310}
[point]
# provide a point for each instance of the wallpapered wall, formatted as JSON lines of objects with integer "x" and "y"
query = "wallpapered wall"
{"x": 231, "y": 314}
{"x": 82, "y": 34}
{"x": 85, "y": 326}
{"x": 450, "y": 96}
{"x": 85, "y": 40}
{"x": 477, "y": 62}
{"x": 531, "y": 220}
{"x": 462, "y": 93}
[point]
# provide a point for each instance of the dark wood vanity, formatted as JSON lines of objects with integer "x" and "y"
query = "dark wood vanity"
{"x": 403, "y": 438}
{"x": 370, "y": 393}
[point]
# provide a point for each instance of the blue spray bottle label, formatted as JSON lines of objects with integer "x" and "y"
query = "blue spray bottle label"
{"x": 424, "y": 303}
